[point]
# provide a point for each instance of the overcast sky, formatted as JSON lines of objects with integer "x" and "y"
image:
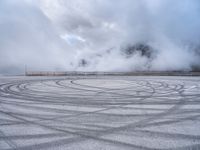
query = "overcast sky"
{"x": 92, "y": 35}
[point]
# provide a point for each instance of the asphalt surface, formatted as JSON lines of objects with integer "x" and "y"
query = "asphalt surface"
{"x": 99, "y": 113}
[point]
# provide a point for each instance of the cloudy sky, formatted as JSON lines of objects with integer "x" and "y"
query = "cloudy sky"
{"x": 99, "y": 35}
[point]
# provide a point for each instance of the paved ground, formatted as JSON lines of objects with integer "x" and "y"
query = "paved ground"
{"x": 99, "y": 113}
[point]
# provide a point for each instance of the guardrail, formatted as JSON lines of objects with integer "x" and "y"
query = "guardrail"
{"x": 141, "y": 73}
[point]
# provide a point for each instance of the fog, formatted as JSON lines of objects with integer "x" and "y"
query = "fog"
{"x": 99, "y": 35}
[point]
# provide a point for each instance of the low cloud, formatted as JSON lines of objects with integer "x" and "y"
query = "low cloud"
{"x": 99, "y": 35}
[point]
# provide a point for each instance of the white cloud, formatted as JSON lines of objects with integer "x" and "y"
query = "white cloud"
{"x": 58, "y": 34}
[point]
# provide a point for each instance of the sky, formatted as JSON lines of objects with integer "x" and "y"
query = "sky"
{"x": 99, "y": 35}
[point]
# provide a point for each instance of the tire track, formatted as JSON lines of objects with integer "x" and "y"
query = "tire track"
{"x": 106, "y": 110}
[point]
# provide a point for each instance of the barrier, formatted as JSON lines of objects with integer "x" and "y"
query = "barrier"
{"x": 141, "y": 73}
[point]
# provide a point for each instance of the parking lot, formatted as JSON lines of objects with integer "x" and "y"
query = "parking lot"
{"x": 100, "y": 113}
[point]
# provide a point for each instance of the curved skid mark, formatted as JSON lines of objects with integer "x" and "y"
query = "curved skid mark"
{"x": 146, "y": 107}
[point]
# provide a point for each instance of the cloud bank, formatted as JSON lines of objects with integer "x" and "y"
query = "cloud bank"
{"x": 99, "y": 35}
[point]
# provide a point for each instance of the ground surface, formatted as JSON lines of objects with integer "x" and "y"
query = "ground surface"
{"x": 99, "y": 113}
